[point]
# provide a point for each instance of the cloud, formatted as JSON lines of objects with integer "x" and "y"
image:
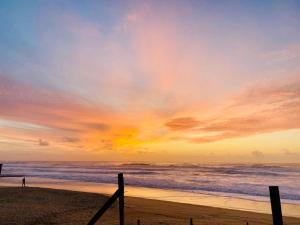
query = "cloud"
{"x": 269, "y": 93}
{"x": 182, "y": 123}
{"x": 258, "y": 154}
{"x": 260, "y": 109}
{"x": 98, "y": 126}
{"x": 53, "y": 113}
{"x": 43, "y": 142}
{"x": 154, "y": 74}
{"x": 49, "y": 107}
{"x": 286, "y": 152}
{"x": 71, "y": 139}
{"x": 211, "y": 138}
{"x": 107, "y": 144}
{"x": 290, "y": 52}
{"x": 290, "y": 153}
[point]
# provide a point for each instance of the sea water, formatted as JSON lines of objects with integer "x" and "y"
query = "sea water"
{"x": 234, "y": 186}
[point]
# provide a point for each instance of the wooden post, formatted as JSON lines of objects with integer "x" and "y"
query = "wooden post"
{"x": 119, "y": 194}
{"x": 121, "y": 198}
{"x": 276, "y": 205}
{"x": 191, "y": 221}
{"x": 105, "y": 207}
{"x": 138, "y": 222}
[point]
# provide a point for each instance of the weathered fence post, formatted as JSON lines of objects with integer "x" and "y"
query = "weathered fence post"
{"x": 119, "y": 194}
{"x": 276, "y": 205}
{"x": 191, "y": 221}
{"x": 121, "y": 198}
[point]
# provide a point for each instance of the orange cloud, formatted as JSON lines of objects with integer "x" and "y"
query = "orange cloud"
{"x": 182, "y": 123}
{"x": 260, "y": 109}
{"x": 43, "y": 142}
{"x": 65, "y": 119}
{"x": 42, "y": 111}
{"x": 47, "y": 107}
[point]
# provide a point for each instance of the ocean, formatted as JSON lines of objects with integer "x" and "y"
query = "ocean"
{"x": 236, "y": 186}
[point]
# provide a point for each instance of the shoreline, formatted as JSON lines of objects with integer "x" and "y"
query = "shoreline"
{"x": 209, "y": 200}
{"x": 33, "y": 205}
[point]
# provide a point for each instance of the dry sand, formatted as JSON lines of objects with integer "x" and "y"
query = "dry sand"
{"x": 47, "y": 206}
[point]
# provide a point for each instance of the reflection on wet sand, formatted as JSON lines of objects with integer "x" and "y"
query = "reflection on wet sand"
{"x": 165, "y": 195}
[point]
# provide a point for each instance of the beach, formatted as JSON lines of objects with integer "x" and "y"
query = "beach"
{"x": 240, "y": 187}
{"x": 236, "y": 187}
{"x": 32, "y": 206}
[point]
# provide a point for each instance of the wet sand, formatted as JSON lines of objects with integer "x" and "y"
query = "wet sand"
{"x": 49, "y": 206}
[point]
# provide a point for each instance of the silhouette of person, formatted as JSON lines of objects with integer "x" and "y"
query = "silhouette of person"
{"x": 23, "y": 182}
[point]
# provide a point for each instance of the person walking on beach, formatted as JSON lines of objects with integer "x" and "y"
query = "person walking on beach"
{"x": 23, "y": 182}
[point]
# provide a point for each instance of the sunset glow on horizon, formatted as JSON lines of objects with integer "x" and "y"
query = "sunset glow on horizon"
{"x": 150, "y": 81}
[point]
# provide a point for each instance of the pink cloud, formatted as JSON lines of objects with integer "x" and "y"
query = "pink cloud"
{"x": 50, "y": 108}
{"x": 273, "y": 108}
{"x": 43, "y": 142}
{"x": 182, "y": 123}
{"x": 289, "y": 53}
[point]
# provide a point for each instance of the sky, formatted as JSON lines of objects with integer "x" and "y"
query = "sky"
{"x": 150, "y": 81}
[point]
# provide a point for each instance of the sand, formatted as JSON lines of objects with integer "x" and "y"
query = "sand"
{"x": 34, "y": 206}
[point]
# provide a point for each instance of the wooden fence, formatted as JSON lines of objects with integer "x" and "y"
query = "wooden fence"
{"x": 119, "y": 194}
{"x": 276, "y": 205}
